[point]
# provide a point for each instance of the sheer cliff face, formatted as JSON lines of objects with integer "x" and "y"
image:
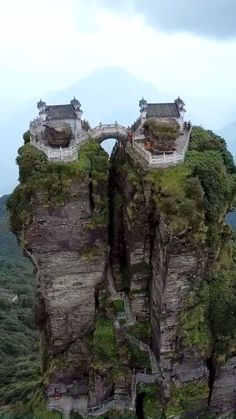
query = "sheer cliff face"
{"x": 71, "y": 257}
{"x": 171, "y": 252}
{"x": 161, "y": 234}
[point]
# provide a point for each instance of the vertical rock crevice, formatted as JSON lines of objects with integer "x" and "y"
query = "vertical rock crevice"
{"x": 211, "y": 366}
{"x": 139, "y": 405}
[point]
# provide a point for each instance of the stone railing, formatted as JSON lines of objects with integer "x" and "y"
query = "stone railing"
{"x": 115, "y": 295}
{"x": 70, "y": 153}
{"x": 156, "y": 373}
{"x": 118, "y": 403}
{"x": 164, "y": 159}
{"x": 144, "y": 378}
{"x": 57, "y": 154}
{"x": 104, "y": 131}
{"x": 63, "y": 405}
{"x": 36, "y": 123}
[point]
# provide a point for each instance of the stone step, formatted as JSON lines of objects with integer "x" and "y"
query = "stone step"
{"x": 128, "y": 312}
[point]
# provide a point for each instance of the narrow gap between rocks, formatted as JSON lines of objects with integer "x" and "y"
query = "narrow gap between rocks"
{"x": 210, "y": 363}
{"x": 139, "y": 406}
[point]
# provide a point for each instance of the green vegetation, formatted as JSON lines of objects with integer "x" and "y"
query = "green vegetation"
{"x": 209, "y": 322}
{"x": 53, "y": 183}
{"x": 141, "y": 330}
{"x": 152, "y": 406}
{"x": 162, "y": 135}
{"x": 115, "y": 415}
{"x": 187, "y": 398}
{"x": 104, "y": 344}
{"x": 202, "y": 140}
{"x": 142, "y": 268}
{"x": 20, "y": 366}
{"x": 137, "y": 359}
{"x": 195, "y": 196}
{"x": 118, "y": 306}
{"x": 26, "y": 137}
{"x": 192, "y": 199}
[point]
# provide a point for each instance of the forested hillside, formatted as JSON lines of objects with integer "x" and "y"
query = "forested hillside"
{"x": 19, "y": 365}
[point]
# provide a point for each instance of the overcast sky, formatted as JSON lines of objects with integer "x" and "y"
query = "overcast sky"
{"x": 185, "y": 47}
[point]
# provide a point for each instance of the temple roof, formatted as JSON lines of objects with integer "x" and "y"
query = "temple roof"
{"x": 75, "y": 102}
{"x": 40, "y": 104}
{"x": 58, "y": 112}
{"x": 162, "y": 110}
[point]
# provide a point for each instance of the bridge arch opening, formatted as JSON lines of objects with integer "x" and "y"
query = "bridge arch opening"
{"x": 108, "y": 145}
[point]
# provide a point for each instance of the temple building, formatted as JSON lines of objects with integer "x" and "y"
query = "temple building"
{"x": 163, "y": 111}
{"x": 57, "y": 125}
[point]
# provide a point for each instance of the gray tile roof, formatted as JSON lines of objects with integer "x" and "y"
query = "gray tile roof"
{"x": 58, "y": 112}
{"x": 162, "y": 110}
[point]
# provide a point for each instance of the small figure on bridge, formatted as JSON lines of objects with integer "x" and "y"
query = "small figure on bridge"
{"x": 131, "y": 138}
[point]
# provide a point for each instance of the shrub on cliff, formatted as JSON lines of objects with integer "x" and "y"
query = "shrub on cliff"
{"x": 53, "y": 179}
{"x": 202, "y": 140}
{"x": 163, "y": 134}
{"x": 30, "y": 162}
{"x": 104, "y": 343}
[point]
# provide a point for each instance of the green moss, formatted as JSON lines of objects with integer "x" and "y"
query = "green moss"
{"x": 188, "y": 397}
{"x": 174, "y": 191}
{"x": 118, "y": 306}
{"x": 41, "y": 412}
{"x": 52, "y": 182}
{"x": 152, "y": 406}
{"x": 208, "y": 319}
{"x": 26, "y": 137}
{"x": 141, "y": 268}
{"x": 112, "y": 414}
{"x": 197, "y": 193}
{"x": 194, "y": 326}
{"x": 137, "y": 359}
{"x": 141, "y": 330}
{"x": 202, "y": 140}
{"x": 90, "y": 252}
{"x": 104, "y": 344}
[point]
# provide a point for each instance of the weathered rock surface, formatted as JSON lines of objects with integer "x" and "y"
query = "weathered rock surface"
{"x": 223, "y": 397}
{"x": 152, "y": 270}
{"x": 159, "y": 272}
{"x": 59, "y": 136}
{"x": 71, "y": 257}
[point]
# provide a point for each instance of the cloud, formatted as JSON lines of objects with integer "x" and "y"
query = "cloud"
{"x": 212, "y": 18}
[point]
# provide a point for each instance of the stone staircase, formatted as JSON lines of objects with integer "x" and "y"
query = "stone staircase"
{"x": 154, "y": 364}
{"x": 146, "y": 348}
{"x": 130, "y": 319}
{"x": 110, "y": 404}
{"x": 115, "y": 295}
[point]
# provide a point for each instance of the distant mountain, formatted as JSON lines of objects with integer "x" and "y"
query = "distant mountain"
{"x": 106, "y": 95}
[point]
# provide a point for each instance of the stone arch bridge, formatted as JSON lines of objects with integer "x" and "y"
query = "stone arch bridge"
{"x": 106, "y": 131}
{"x": 100, "y": 133}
